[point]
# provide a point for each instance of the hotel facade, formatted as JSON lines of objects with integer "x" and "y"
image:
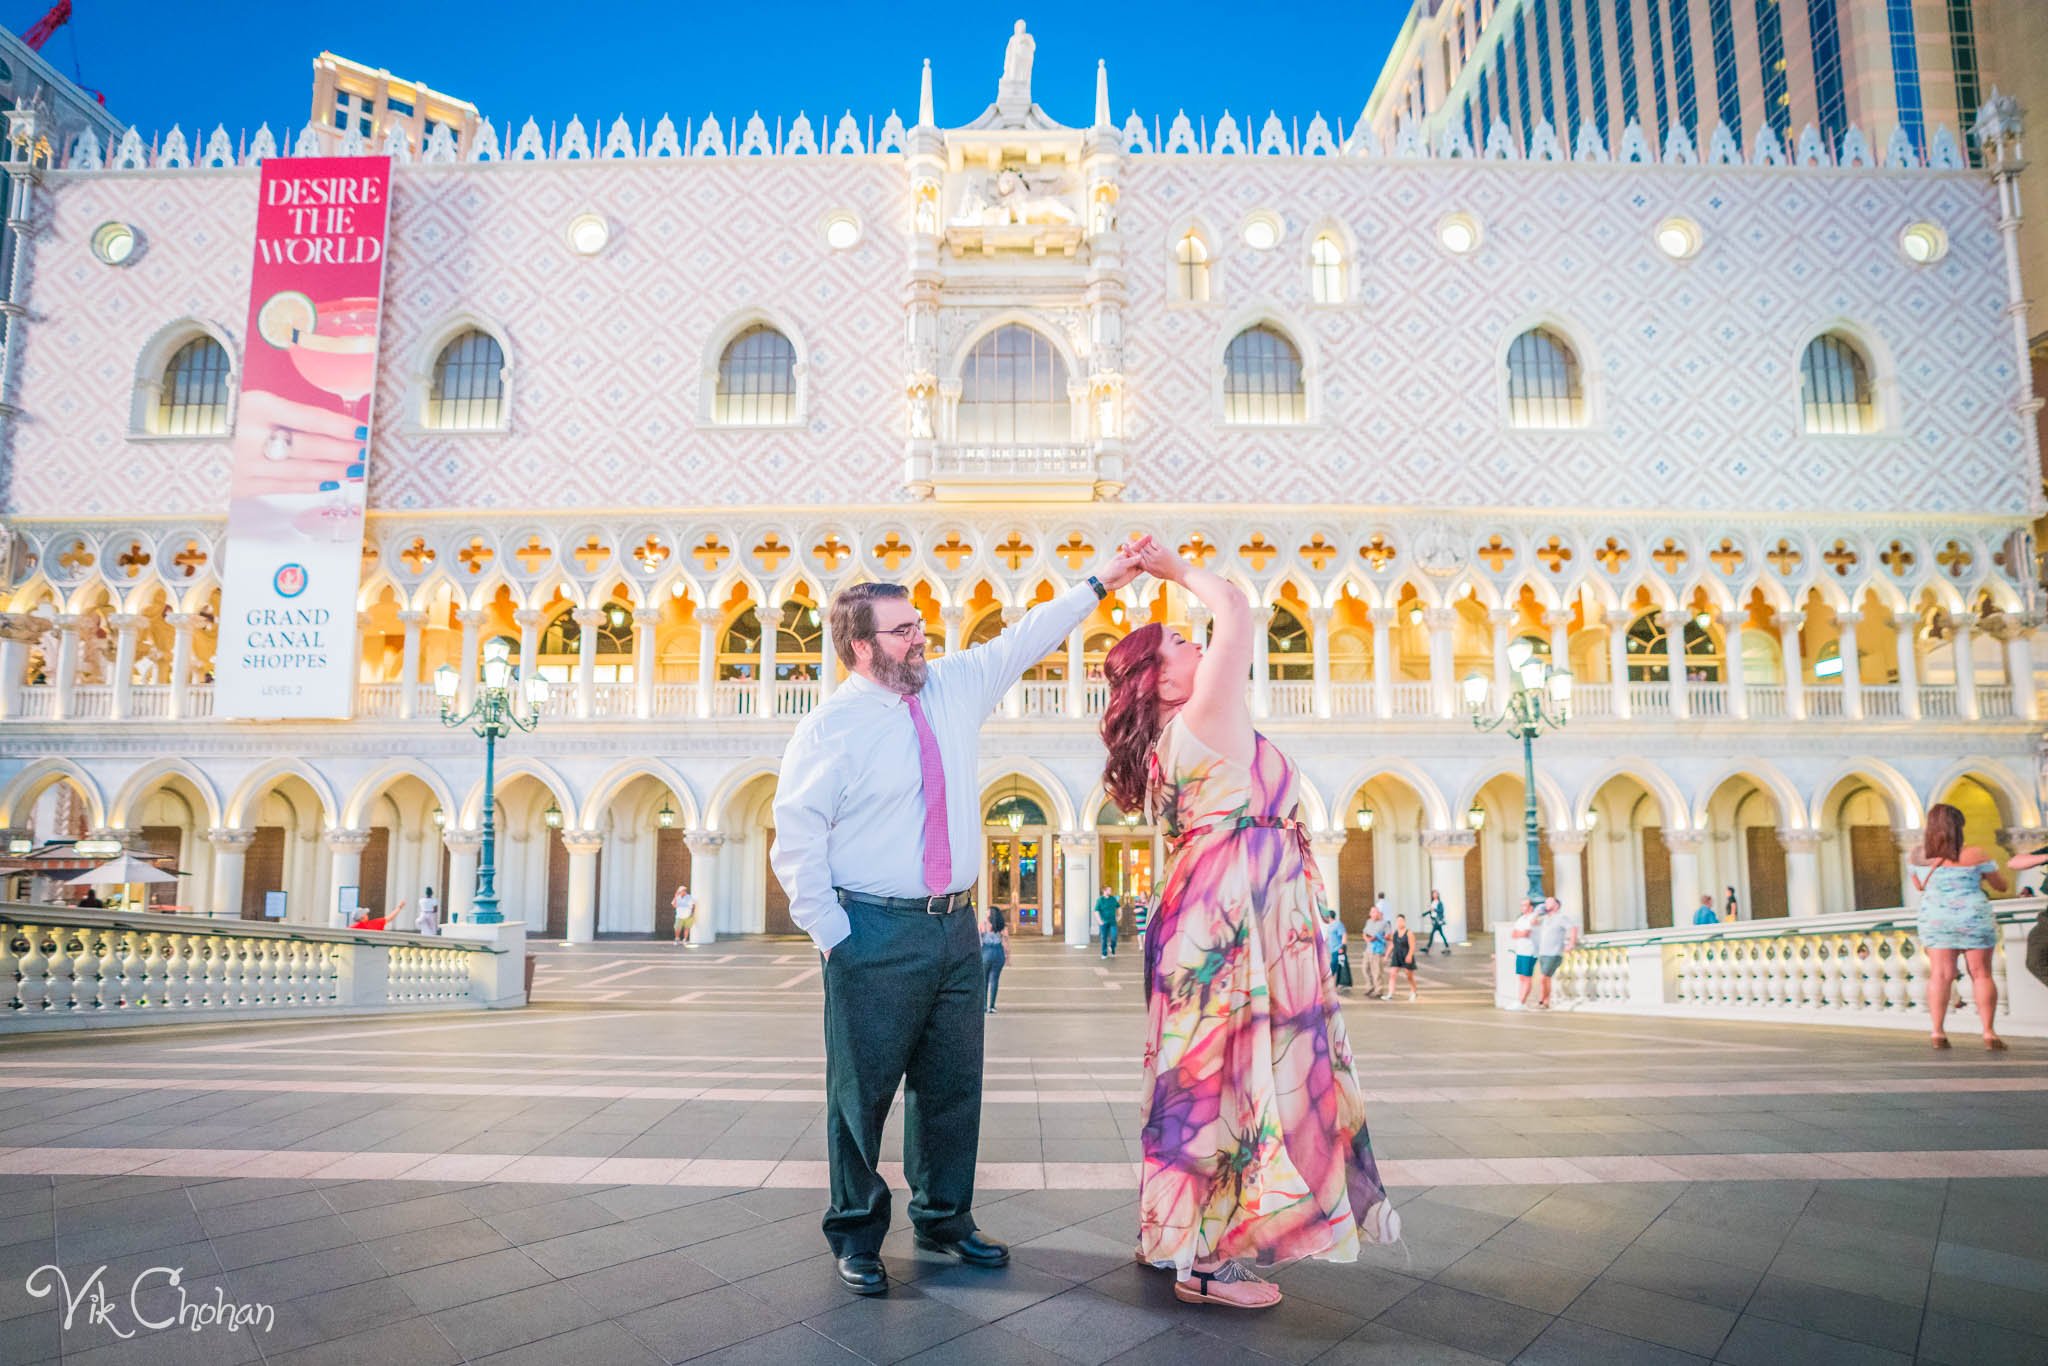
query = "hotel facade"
{"x": 1741, "y": 435}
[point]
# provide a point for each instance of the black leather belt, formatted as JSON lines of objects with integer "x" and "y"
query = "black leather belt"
{"x": 926, "y": 905}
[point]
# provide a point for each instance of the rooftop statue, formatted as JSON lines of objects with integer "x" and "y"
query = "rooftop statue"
{"x": 1013, "y": 107}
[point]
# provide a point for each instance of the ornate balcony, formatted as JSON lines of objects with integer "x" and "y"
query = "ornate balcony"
{"x": 1039, "y": 472}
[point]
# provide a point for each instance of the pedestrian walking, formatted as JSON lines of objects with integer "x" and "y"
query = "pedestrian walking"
{"x": 877, "y": 842}
{"x": 1955, "y": 919}
{"x": 1554, "y": 937}
{"x": 1107, "y": 908}
{"x": 1374, "y": 936}
{"x": 1333, "y": 941}
{"x": 428, "y": 920}
{"x": 1522, "y": 936}
{"x": 684, "y": 903}
{"x": 1734, "y": 910}
{"x": 1254, "y": 1141}
{"x": 1400, "y": 956}
{"x": 1436, "y": 925}
{"x": 995, "y": 951}
{"x": 1704, "y": 913}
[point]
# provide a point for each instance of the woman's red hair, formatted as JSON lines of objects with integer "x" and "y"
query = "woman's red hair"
{"x": 1130, "y": 723}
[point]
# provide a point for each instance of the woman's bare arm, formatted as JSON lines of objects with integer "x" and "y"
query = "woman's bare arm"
{"x": 1216, "y": 709}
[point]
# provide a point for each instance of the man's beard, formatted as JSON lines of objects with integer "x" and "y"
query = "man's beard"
{"x": 905, "y": 675}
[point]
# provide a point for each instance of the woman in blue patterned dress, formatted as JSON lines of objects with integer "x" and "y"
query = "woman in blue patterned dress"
{"x": 1955, "y": 918}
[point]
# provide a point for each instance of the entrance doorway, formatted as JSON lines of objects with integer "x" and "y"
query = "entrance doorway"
{"x": 1015, "y": 883}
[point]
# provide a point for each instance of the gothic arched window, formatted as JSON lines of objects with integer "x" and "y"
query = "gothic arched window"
{"x": 1013, "y": 391}
{"x": 1262, "y": 378}
{"x": 1834, "y": 387}
{"x": 193, "y": 399}
{"x": 757, "y": 378}
{"x": 467, "y": 391}
{"x": 1544, "y": 387}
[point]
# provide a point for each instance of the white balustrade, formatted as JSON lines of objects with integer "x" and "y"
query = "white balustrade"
{"x": 1881, "y": 702}
{"x": 1291, "y": 700}
{"x": 1766, "y": 701}
{"x": 795, "y": 697}
{"x": 1413, "y": 699}
{"x": 1095, "y": 696}
{"x": 1994, "y": 701}
{"x": 1043, "y": 699}
{"x": 612, "y": 701}
{"x": 1707, "y": 699}
{"x": 1823, "y": 703}
{"x": 1592, "y": 699}
{"x": 675, "y": 699}
{"x": 1861, "y": 968}
{"x": 1351, "y": 699}
{"x": 1938, "y": 701}
{"x": 149, "y": 701}
{"x": 733, "y": 697}
{"x": 92, "y": 702}
{"x": 35, "y": 702}
{"x": 1648, "y": 699}
{"x": 62, "y": 968}
{"x": 378, "y": 701}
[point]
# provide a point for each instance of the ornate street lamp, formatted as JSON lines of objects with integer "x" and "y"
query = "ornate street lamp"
{"x": 1539, "y": 698}
{"x": 495, "y": 713}
{"x": 666, "y": 817}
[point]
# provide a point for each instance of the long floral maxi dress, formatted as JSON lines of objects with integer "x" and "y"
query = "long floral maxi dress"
{"x": 1254, "y": 1125}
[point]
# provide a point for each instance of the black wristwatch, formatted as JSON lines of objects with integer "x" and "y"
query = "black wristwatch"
{"x": 1096, "y": 584}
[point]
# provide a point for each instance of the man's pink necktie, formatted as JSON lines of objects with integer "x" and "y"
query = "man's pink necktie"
{"x": 938, "y": 845}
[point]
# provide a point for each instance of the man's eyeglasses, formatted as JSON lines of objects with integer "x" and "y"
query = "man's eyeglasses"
{"x": 907, "y": 632}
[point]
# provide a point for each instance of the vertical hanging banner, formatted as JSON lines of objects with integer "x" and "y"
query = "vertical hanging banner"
{"x": 301, "y": 447}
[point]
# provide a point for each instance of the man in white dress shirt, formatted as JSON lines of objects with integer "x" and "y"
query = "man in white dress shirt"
{"x": 878, "y": 841}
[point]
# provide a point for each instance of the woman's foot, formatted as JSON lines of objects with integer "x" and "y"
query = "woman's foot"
{"x": 1939, "y": 1041}
{"x": 1231, "y": 1284}
{"x": 1994, "y": 1043}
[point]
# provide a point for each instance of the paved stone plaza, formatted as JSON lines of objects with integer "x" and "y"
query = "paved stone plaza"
{"x": 631, "y": 1172}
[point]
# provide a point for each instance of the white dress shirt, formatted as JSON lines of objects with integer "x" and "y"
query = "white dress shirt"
{"x": 849, "y": 807}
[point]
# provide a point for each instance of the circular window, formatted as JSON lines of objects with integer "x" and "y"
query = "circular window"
{"x": 1678, "y": 238}
{"x": 842, "y": 230}
{"x": 588, "y": 233}
{"x": 1262, "y": 232}
{"x": 1923, "y": 243}
{"x": 113, "y": 243}
{"x": 1459, "y": 233}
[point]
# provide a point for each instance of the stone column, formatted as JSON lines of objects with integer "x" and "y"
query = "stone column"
{"x": 1559, "y": 620}
{"x": 828, "y": 653}
{"x": 1382, "y": 619}
{"x": 18, "y": 631}
{"x": 1198, "y": 622}
{"x": 1685, "y": 871}
{"x": 1802, "y": 872}
{"x": 1963, "y": 635}
{"x": 460, "y": 893}
{"x": 1447, "y": 850}
{"x": 583, "y": 847}
{"x": 1503, "y": 621}
{"x": 125, "y": 625}
{"x": 182, "y": 625}
{"x": 587, "y": 620}
{"x": 1732, "y": 624}
{"x": 345, "y": 849}
{"x": 1262, "y": 670}
{"x": 704, "y": 867}
{"x": 471, "y": 620}
{"x": 65, "y": 677}
{"x": 1852, "y": 665}
{"x": 771, "y": 639}
{"x": 529, "y": 620}
{"x": 1328, "y": 849}
{"x": 230, "y": 845}
{"x": 2019, "y": 667}
{"x": 1013, "y": 700}
{"x": 707, "y": 619}
{"x": 1077, "y": 675}
{"x": 1907, "y": 840}
{"x": 1565, "y": 848}
{"x": 1674, "y": 662}
{"x": 955, "y": 620}
{"x": 645, "y": 619}
{"x": 1794, "y": 664}
{"x": 1907, "y": 625}
{"x": 1617, "y": 663}
{"x": 1443, "y": 689}
{"x": 1319, "y": 645}
{"x": 409, "y": 670}
{"x": 1077, "y": 858}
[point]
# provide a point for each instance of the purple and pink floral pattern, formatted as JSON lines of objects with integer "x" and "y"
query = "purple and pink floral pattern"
{"x": 1255, "y": 1136}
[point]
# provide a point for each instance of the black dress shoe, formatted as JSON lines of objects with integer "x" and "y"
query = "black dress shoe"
{"x": 863, "y": 1274}
{"x": 974, "y": 1249}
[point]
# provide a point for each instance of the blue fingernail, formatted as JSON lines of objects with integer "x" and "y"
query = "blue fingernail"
{"x": 362, "y": 433}
{"x": 328, "y": 486}
{"x": 354, "y": 471}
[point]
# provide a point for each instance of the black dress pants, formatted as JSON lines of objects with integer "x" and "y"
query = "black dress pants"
{"x": 903, "y": 1007}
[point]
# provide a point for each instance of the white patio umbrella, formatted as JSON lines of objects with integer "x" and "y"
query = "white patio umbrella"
{"x": 121, "y": 872}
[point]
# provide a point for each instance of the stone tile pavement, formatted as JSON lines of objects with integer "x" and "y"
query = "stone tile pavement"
{"x": 631, "y": 1172}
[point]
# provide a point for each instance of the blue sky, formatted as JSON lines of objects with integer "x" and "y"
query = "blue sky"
{"x": 241, "y": 63}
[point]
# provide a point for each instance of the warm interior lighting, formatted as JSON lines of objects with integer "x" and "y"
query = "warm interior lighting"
{"x": 440, "y": 819}
{"x": 1415, "y": 616}
{"x": 552, "y": 817}
{"x": 1364, "y": 816}
{"x": 1475, "y": 816}
{"x": 666, "y": 817}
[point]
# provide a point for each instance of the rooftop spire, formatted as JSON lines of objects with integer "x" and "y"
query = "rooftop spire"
{"x": 1101, "y": 93}
{"x": 924, "y": 98}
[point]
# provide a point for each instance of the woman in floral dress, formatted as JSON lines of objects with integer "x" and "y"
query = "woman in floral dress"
{"x": 1255, "y": 1138}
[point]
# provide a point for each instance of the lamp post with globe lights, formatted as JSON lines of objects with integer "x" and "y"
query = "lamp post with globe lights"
{"x": 504, "y": 703}
{"x": 1539, "y": 698}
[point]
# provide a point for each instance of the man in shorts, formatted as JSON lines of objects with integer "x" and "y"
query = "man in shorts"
{"x": 1522, "y": 937}
{"x": 1553, "y": 937}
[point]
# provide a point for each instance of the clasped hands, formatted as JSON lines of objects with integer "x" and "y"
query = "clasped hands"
{"x": 1140, "y": 555}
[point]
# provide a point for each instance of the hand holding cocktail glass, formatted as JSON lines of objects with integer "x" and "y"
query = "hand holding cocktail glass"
{"x": 284, "y": 446}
